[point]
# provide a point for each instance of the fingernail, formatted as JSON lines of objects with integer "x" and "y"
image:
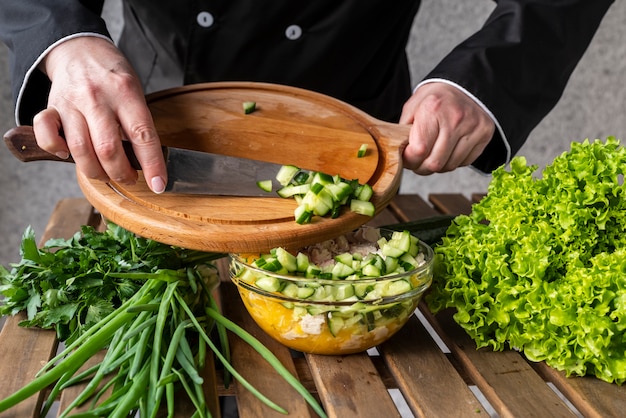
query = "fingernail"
{"x": 64, "y": 155}
{"x": 158, "y": 185}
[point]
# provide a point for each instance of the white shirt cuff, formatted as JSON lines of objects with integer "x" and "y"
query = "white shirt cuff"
{"x": 38, "y": 61}
{"x": 479, "y": 103}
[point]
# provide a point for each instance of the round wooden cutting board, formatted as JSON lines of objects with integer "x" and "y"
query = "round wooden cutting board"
{"x": 289, "y": 126}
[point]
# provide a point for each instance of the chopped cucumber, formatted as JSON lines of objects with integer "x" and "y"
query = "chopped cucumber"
{"x": 267, "y": 283}
{"x": 371, "y": 270}
{"x": 341, "y": 270}
{"x": 396, "y": 287}
{"x": 322, "y": 194}
{"x": 362, "y": 151}
{"x": 364, "y": 192}
{"x": 335, "y": 324}
{"x": 265, "y": 185}
{"x": 354, "y": 278}
{"x": 292, "y": 190}
{"x": 286, "y": 259}
{"x": 290, "y": 290}
{"x": 286, "y": 174}
{"x": 249, "y": 107}
{"x": 302, "y": 262}
{"x": 362, "y": 207}
{"x": 344, "y": 258}
{"x": 305, "y": 292}
{"x": 303, "y": 215}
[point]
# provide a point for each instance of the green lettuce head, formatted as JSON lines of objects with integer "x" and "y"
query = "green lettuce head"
{"x": 540, "y": 263}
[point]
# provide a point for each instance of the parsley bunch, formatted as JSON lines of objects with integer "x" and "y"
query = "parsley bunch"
{"x": 539, "y": 265}
{"x": 71, "y": 284}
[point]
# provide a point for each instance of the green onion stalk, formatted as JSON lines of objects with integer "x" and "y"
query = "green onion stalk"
{"x": 156, "y": 340}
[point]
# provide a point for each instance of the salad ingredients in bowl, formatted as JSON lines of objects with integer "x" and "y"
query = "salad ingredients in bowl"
{"x": 340, "y": 296}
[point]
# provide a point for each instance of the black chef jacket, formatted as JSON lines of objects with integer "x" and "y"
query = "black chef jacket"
{"x": 516, "y": 66}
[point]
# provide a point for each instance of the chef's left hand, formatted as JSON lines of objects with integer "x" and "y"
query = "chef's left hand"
{"x": 449, "y": 130}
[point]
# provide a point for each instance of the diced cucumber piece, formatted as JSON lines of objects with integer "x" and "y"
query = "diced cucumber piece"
{"x": 363, "y": 208}
{"x": 286, "y": 173}
{"x": 339, "y": 191}
{"x": 319, "y": 293}
{"x": 302, "y": 262}
{"x": 362, "y": 289}
{"x": 365, "y": 192}
{"x": 265, "y": 185}
{"x": 410, "y": 260}
{"x": 249, "y": 107}
{"x": 290, "y": 290}
{"x": 391, "y": 265}
{"x": 319, "y": 204}
{"x": 344, "y": 291}
{"x": 293, "y": 189}
{"x": 341, "y": 270}
{"x": 272, "y": 264}
{"x": 302, "y": 214}
{"x": 287, "y": 259}
{"x": 397, "y": 287}
{"x": 267, "y": 283}
{"x": 312, "y": 271}
{"x": 335, "y": 324}
{"x": 305, "y": 292}
{"x": 371, "y": 270}
{"x": 395, "y": 311}
{"x": 362, "y": 151}
{"x": 345, "y": 258}
{"x": 316, "y": 187}
{"x": 299, "y": 311}
{"x": 302, "y": 177}
{"x": 322, "y": 178}
{"x": 402, "y": 240}
{"x": 390, "y": 250}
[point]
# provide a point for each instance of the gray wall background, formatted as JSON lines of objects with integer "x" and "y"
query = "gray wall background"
{"x": 593, "y": 106}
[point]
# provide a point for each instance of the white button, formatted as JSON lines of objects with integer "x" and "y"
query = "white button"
{"x": 293, "y": 32}
{"x": 205, "y": 19}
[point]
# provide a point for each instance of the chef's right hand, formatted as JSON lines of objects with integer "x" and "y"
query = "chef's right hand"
{"x": 95, "y": 102}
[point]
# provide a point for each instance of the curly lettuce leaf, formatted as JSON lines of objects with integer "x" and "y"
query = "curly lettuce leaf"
{"x": 539, "y": 265}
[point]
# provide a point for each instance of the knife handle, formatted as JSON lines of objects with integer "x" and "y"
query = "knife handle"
{"x": 23, "y": 145}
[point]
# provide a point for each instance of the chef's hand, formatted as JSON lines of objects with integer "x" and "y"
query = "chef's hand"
{"x": 95, "y": 101}
{"x": 449, "y": 129}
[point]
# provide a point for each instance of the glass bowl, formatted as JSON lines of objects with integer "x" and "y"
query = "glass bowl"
{"x": 323, "y": 304}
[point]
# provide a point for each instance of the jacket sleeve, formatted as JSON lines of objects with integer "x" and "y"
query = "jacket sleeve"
{"x": 519, "y": 63}
{"x": 30, "y": 28}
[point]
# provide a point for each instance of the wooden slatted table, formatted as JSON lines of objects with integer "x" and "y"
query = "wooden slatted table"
{"x": 431, "y": 360}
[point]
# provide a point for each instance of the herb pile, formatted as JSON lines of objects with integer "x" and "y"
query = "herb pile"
{"x": 147, "y": 303}
{"x": 540, "y": 263}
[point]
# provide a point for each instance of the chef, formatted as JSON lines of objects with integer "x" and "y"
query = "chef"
{"x": 477, "y": 106}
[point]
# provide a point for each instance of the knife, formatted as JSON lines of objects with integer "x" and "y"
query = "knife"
{"x": 189, "y": 172}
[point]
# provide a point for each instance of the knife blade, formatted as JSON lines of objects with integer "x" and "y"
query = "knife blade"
{"x": 189, "y": 172}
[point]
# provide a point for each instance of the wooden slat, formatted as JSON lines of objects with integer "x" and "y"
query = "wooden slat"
{"x": 19, "y": 366}
{"x": 256, "y": 370}
{"x": 512, "y": 387}
{"x": 593, "y": 397}
{"x": 36, "y": 347}
{"x": 350, "y": 386}
{"x": 430, "y": 384}
{"x": 410, "y": 207}
{"x": 451, "y": 203}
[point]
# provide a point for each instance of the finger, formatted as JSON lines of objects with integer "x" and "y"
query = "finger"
{"x": 140, "y": 130}
{"x": 47, "y": 129}
{"x": 106, "y": 139}
{"x": 79, "y": 141}
{"x": 422, "y": 138}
